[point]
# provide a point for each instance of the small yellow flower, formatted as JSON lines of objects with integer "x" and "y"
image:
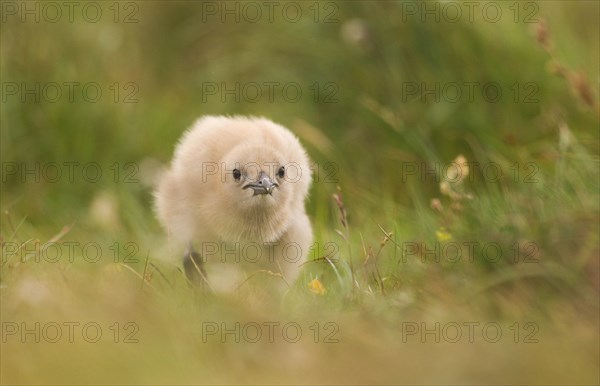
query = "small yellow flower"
{"x": 317, "y": 287}
{"x": 443, "y": 235}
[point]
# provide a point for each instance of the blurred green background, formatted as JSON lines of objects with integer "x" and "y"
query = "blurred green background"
{"x": 365, "y": 115}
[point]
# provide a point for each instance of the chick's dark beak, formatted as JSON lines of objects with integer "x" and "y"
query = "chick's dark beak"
{"x": 263, "y": 185}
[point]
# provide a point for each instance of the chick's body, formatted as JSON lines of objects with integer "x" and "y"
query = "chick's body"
{"x": 235, "y": 192}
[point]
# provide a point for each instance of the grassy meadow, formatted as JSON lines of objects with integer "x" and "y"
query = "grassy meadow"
{"x": 455, "y": 206}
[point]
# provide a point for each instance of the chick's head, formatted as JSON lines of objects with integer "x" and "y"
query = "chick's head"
{"x": 264, "y": 183}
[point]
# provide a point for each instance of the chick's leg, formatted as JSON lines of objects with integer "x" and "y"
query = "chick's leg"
{"x": 194, "y": 267}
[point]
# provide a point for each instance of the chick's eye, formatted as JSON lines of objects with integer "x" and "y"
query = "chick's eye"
{"x": 237, "y": 174}
{"x": 281, "y": 172}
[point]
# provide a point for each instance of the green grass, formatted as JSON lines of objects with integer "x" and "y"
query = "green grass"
{"x": 543, "y": 292}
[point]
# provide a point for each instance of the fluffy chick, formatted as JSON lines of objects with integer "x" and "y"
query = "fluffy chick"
{"x": 235, "y": 192}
